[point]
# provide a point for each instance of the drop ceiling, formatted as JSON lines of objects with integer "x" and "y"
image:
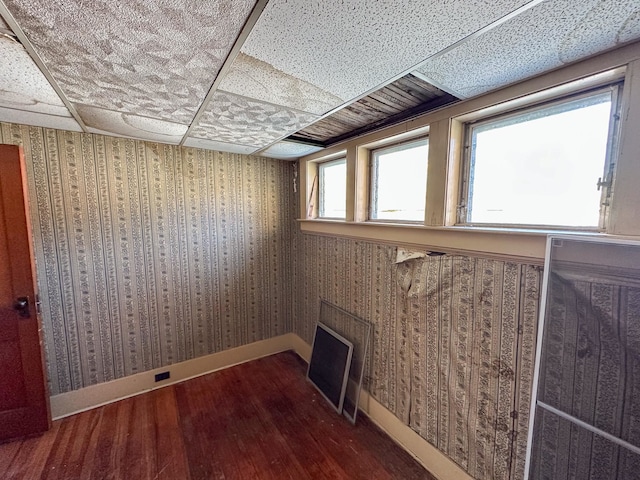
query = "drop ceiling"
{"x": 280, "y": 78}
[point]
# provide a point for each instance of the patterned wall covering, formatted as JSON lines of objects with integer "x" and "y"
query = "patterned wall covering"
{"x": 453, "y": 342}
{"x": 150, "y": 254}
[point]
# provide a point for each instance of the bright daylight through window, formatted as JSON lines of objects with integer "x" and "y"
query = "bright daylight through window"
{"x": 332, "y": 191}
{"x": 543, "y": 166}
{"x": 399, "y": 182}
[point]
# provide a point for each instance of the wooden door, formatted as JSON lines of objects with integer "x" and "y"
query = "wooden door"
{"x": 24, "y": 400}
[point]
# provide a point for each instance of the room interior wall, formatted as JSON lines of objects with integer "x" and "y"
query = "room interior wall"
{"x": 150, "y": 254}
{"x": 453, "y": 342}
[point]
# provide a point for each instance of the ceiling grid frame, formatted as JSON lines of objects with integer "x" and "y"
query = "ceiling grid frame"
{"x": 235, "y": 50}
{"x": 265, "y": 64}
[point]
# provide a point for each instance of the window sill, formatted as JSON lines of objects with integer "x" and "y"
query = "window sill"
{"x": 514, "y": 243}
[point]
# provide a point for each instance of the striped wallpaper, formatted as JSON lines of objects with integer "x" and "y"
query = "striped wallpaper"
{"x": 453, "y": 342}
{"x": 149, "y": 254}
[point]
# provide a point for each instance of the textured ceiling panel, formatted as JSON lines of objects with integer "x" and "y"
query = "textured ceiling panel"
{"x": 220, "y": 146}
{"x": 39, "y": 119}
{"x": 348, "y": 48}
{"x": 239, "y": 120}
{"x": 22, "y": 84}
{"x": 254, "y": 78}
{"x": 546, "y": 37}
{"x": 144, "y": 68}
{"x": 289, "y": 150}
{"x": 151, "y": 58}
{"x": 108, "y": 122}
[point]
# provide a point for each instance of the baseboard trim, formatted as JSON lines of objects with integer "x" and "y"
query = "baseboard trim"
{"x": 438, "y": 464}
{"x": 70, "y": 403}
{"x": 77, "y": 401}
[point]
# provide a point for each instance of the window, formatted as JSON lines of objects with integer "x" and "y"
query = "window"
{"x": 543, "y": 166}
{"x": 399, "y": 182}
{"x": 332, "y": 191}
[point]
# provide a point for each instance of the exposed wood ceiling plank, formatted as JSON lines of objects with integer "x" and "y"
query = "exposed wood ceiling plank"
{"x": 399, "y": 117}
{"x": 395, "y": 102}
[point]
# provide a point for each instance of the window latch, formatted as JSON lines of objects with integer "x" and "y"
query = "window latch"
{"x": 603, "y": 183}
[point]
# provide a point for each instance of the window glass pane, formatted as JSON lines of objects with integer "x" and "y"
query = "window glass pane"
{"x": 333, "y": 189}
{"x": 541, "y": 167}
{"x": 399, "y": 182}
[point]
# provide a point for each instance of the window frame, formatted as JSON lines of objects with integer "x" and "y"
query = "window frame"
{"x": 608, "y": 171}
{"x": 320, "y": 196}
{"x": 393, "y": 147}
{"x": 446, "y": 145}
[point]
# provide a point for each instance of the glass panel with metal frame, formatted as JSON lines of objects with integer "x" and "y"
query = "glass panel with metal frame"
{"x": 587, "y": 374}
{"x": 358, "y": 332}
{"x": 329, "y": 365}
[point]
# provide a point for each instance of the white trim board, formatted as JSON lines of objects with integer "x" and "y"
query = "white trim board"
{"x": 77, "y": 401}
{"x": 436, "y": 462}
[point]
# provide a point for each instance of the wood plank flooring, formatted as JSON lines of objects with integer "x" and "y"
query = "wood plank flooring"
{"x": 259, "y": 420}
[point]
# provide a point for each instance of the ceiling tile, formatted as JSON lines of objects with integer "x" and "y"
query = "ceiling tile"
{"x": 547, "y": 36}
{"x": 254, "y": 78}
{"x": 289, "y": 150}
{"x": 145, "y": 57}
{"x": 39, "y": 119}
{"x": 218, "y": 146}
{"x": 108, "y": 122}
{"x": 22, "y": 84}
{"x": 349, "y": 48}
{"x": 238, "y": 120}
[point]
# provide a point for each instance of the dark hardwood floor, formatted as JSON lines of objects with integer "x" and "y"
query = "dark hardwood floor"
{"x": 259, "y": 420}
